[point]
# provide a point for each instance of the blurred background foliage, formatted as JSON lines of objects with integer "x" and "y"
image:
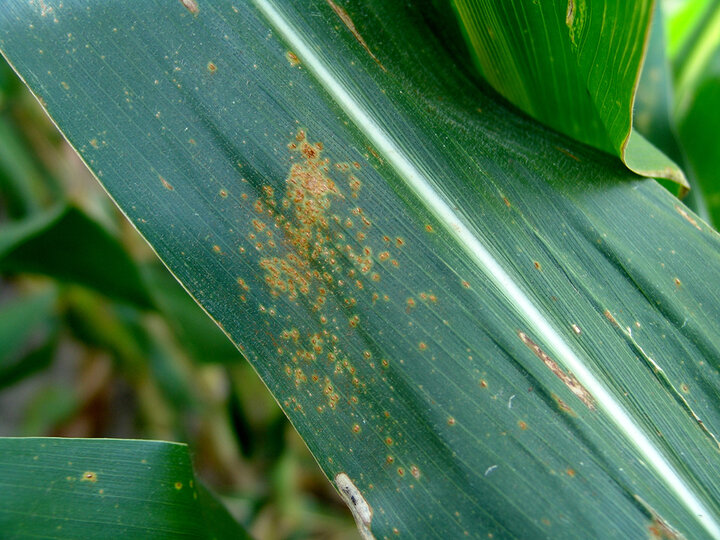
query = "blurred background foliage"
{"x": 97, "y": 339}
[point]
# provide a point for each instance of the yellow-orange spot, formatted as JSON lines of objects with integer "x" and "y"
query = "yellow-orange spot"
{"x": 422, "y": 345}
{"x": 211, "y": 67}
{"x": 451, "y": 421}
{"x": 567, "y": 153}
{"x": 570, "y": 472}
{"x": 223, "y": 193}
{"x": 401, "y": 471}
{"x": 677, "y": 282}
{"x": 89, "y": 476}
{"x": 178, "y": 485}
{"x": 415, "y": 471}
{"x": 429, "y": 228}
{"x": 537, "y": 265}
{"x": 522, "y": 425}
{"x": 356, "y": 428}
{"x": 292, "y": 58}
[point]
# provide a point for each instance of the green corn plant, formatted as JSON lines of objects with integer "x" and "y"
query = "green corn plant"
{"x": 479, "y": 326}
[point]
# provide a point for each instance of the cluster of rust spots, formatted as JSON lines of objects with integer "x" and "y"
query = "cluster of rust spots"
{"x": 567, "y": 378}
{"x": 609, "y": 317}
{"x": 658, "y": 528}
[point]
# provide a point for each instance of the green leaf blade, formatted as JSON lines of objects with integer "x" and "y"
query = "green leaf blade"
{"x": 572, "y": 65}
{"x": 441, "y": 387}
{"x": 96, "y": 488}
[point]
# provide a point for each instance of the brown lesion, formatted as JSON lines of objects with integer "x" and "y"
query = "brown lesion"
{"x": 567, "y": 378}
{"x": 347, "y": 21}
{"x": 658, "y": 528}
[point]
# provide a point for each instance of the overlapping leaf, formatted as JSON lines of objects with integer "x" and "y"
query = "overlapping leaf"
{"x": 573, "y": 65}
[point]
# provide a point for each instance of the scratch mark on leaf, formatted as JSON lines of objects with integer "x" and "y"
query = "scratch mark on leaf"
{"x": 664, "y": 380}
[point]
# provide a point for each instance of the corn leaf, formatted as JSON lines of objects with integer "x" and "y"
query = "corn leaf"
{"x": 477, "y": 325}
{"x": 105, "y": 488}
{"x": 573, "y": 65}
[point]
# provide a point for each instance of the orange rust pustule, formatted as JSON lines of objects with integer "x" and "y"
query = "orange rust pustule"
{"x": 567, "y": 378}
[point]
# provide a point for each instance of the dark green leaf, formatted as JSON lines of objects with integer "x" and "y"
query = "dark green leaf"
{"x": 65, "y": 244}
{"x": 699, "y": 134}
{"x": 198, "y": 334}
{"x": 27, "y": 343}
{"x": 477, "y": 325}
{"x": 105, "y": 488}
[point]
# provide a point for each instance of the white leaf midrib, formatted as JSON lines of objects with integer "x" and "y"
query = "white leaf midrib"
{"x": 424, "y": 189}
